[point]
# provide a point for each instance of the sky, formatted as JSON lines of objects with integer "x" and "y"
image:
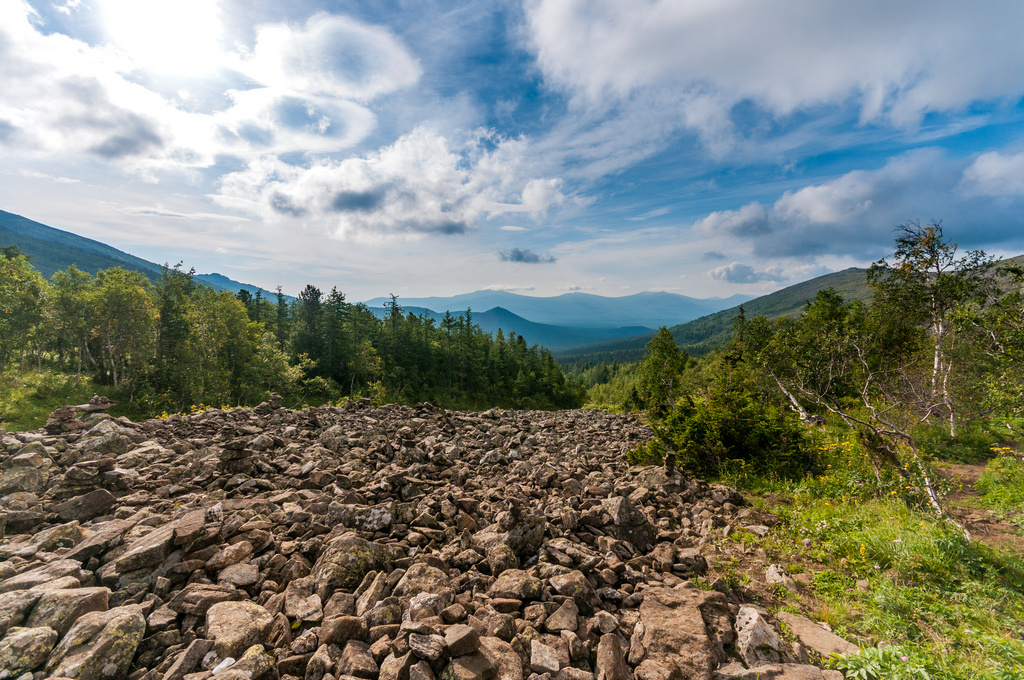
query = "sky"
{"x": 420, "y": 147}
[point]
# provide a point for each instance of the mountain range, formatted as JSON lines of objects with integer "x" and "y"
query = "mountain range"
{"x": 548, "y": 335}
{"x": 579, "y": 310}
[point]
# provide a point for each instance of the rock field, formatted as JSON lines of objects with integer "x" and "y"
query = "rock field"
{"x": 394, "y": 543}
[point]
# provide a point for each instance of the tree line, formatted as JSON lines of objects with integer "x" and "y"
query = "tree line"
{"x": 175, "y": 343}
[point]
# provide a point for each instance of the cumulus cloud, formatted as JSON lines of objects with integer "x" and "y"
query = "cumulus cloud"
{"x": 854, "y": 214}
{"x": 749, "y": 220}
{"x": 897, "y": 61}
{"x": 541, "y": 194}
{"x": 525, "y": 256}
{"x": 742, "y": 273}
{"x": 332, "y": 56}
{"x": 424, "y": 183}
{"x": 995, "y": 174}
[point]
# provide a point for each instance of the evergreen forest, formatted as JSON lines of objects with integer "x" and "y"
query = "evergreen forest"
{"x": 177, "y": 345}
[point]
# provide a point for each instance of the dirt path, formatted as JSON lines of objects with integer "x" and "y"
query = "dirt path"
{"x": 964, "y": 504}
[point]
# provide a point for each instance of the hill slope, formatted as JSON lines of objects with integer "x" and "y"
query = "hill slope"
{"x": 52, "y": 250}
{"x": 700, "y": 336}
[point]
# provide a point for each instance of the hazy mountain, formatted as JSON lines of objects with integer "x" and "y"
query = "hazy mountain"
{"x": 580, "y": 310}
{"x": 701, "y": 335}
{"x": 547, "y": 335}
{"x": 222, "y": 282}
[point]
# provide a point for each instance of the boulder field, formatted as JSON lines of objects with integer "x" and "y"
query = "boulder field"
{"x": 394, "y": 543}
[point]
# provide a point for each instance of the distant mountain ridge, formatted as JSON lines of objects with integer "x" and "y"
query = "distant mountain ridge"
{"x": 700, "y": 336}
{"x": 576, "y": 325}
{"x": 579, "y": 310}
{"x": 547, "y": 335}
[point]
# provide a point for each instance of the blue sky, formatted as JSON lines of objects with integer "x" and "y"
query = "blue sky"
{"x": 706, "y": 147}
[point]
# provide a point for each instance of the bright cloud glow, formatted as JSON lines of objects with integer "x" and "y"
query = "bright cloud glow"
{"x": 897, "y": 60}
{"x": 181, "y": 37}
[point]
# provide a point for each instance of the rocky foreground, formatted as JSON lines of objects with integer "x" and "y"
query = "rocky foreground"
{"x": 391, "y": 543}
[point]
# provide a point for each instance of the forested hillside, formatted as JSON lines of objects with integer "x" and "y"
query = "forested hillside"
{"x": 175, "y": 344}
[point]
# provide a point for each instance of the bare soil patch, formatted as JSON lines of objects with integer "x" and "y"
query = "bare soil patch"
{"x": 984, "y": 524}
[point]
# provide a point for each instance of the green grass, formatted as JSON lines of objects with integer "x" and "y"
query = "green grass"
{"x": 27, "y": 399}
{"x": 936, "y": 605}
{"x": 950, "y": 607}
{"x": 1001, "y": 485}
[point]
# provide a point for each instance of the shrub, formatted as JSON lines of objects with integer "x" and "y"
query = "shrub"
{"x": 710, "y": 433}
{"x": 969, "y": 445}
{"x": 1001, "y": 484}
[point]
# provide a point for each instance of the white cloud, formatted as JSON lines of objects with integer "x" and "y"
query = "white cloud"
{"x": 330, "y": 56}
{"x": 749, "y": 220}
{"x": 854, "y": 214}
{"x": 68, "y": 6}
{"x": 307, "y": 88}
{"x": 897, "y": 61}
{"x": 422, "y": 184}
{"x": 179, "y": 37}
{"x": 742, "y": 273}
{"x": 657, "y": 212}
{"x": 509, "y": 288}
{"x": 52, "y": 178}
{"x": 995, "y": 174}
{"x": 541, "y": 194}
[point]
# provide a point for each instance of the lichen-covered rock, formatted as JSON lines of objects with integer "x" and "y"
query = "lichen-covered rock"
{"x": 344, "y": 562}
{"x": 375, "y": 542}
{"x": 674, "y": 633}
{"x": 42, "y": 575}
{"x": 86, "y": 506}
{"x": 99, "y": 646}
{"x": 517, "y": 584}
{"x": 59, "y": 609}
{"x": 24, "y": 479}
{"x": 236, "y": 626}
{"x": 627, "y": 523}
{"x": 24, "y": 649}
{"x": 423, "y": 578}
{"x": 814, "y": 637}
{"x": 15, "y": 607}
{"x": 575, "y": 585}
{"x": 255, "y": 664}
